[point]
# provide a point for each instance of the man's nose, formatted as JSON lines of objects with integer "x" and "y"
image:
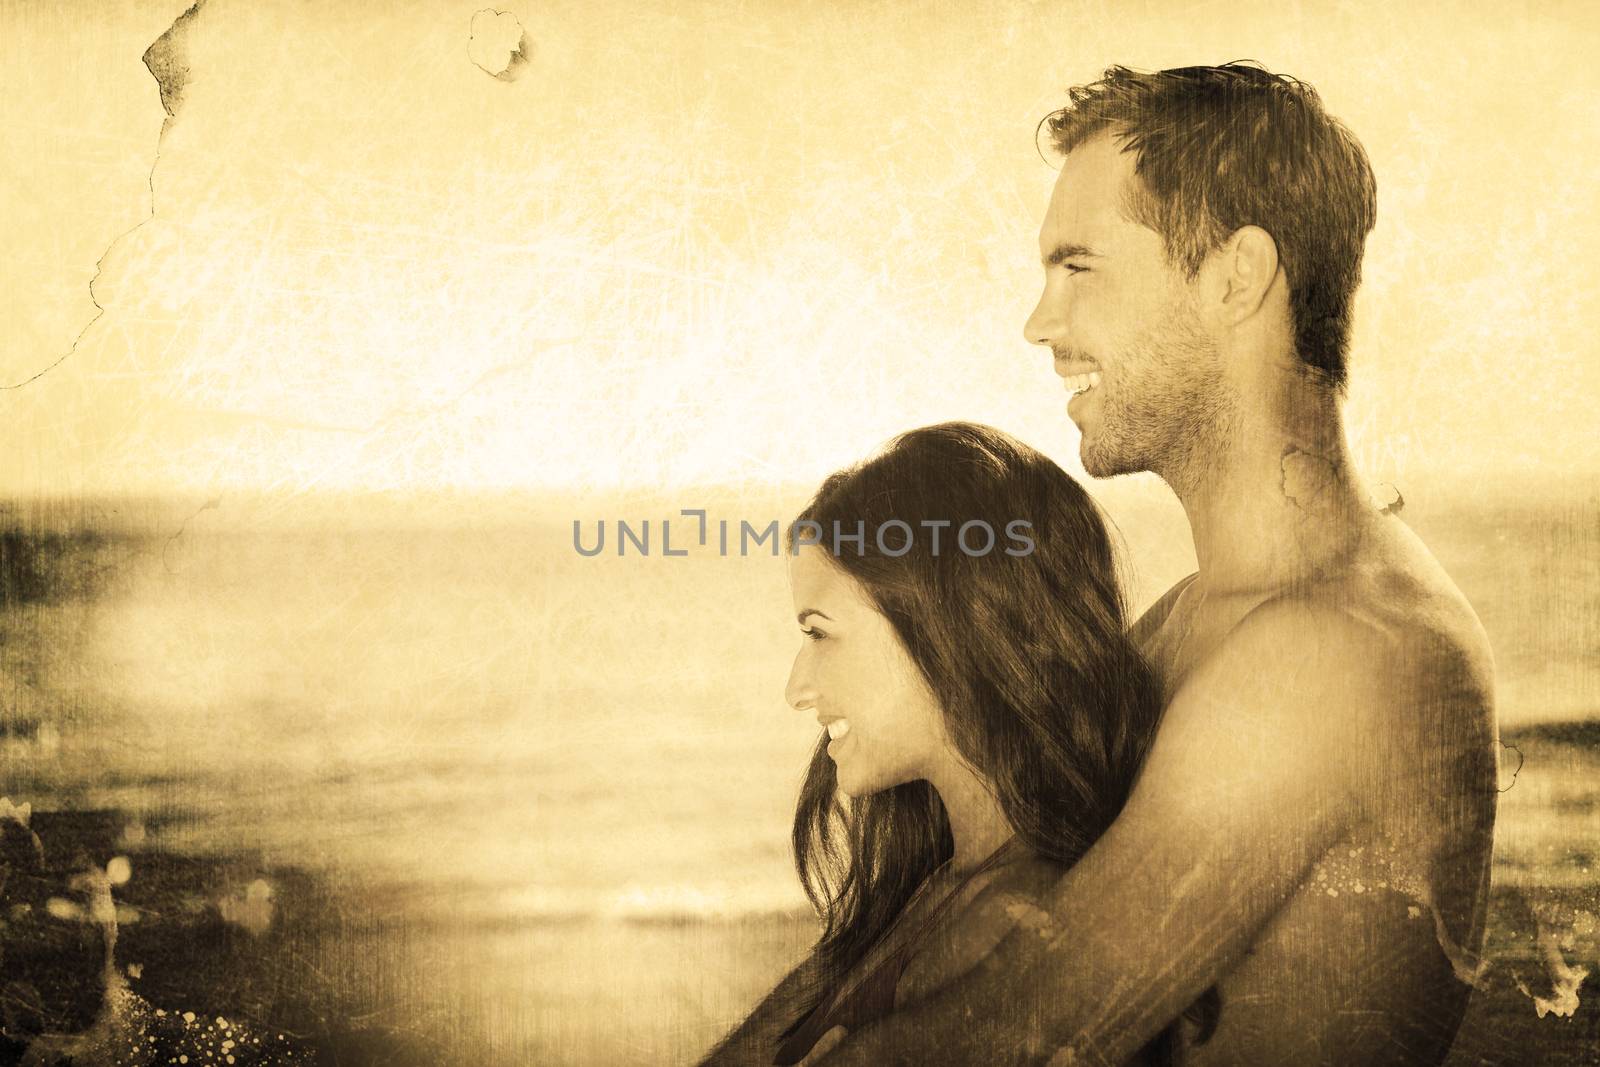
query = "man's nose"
{"x": 1044, "y": 325}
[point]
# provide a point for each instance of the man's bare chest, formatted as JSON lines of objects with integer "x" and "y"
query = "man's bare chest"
{"x": 1352, "y": 960}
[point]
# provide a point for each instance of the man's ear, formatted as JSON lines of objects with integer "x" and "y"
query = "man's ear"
{"x": 1246, "y": 267}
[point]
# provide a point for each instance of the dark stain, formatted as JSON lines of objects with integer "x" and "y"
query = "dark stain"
{"x": 167, "y": 60}
{"x": 518, "y": 61}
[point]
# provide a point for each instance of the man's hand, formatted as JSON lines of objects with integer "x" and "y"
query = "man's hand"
{"x": 1255, "y": 773}
{"x": 825, "y": 1044}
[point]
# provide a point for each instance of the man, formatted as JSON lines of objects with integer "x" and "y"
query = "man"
{"x": 1310, "y": 835}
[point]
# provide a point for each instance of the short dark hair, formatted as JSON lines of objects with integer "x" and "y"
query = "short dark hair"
{"x": 1219, "y": 148}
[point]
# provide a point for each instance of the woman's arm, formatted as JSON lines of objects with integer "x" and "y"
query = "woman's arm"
{"x": 755, "y": 1041}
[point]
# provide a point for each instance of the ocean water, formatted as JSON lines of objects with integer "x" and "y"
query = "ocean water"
{"x": 481, "y": 714}
{"x": 459, "y": 724}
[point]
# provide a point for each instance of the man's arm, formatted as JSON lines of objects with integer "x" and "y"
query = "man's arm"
{"x": 755, "y": 1041}
{"x": 1255, "y": 773}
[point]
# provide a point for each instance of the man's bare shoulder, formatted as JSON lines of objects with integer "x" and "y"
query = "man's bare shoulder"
{"x": 1291, "y": 655}
{"x": 1383, "y": 663}
{"x": 1440, "y": 657}
{"x": 1388, "y": 616}
{"x": 1322, "y": 685}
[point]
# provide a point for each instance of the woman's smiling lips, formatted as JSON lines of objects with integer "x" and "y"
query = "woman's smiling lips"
{"x": 837, "y": 729}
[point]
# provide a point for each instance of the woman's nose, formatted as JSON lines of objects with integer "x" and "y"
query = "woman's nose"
{"x": 800, "y": 693}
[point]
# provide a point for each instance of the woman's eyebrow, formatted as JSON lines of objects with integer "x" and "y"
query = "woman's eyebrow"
{"x": 806, "y": 614}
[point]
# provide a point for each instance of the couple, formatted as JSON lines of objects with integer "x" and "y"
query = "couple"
{"x": 1253, "y": 827}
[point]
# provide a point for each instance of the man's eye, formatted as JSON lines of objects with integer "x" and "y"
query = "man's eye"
{"x": 1074, "y": 268}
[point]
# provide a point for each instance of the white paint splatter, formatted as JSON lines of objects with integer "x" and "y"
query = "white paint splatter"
{"x": 497, "y": 43}
{"x": 1030, "y": 916}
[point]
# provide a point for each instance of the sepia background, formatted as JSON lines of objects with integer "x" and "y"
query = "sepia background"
{"x": 324, "y": 323}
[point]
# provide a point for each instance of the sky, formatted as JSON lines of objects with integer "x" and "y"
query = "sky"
{"x": 735, "y": 243}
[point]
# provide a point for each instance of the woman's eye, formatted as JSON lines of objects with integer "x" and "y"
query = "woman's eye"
{"x": 812, "y": 634}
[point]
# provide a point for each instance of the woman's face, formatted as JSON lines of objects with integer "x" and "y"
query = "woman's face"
{"x": 854, "y": 675}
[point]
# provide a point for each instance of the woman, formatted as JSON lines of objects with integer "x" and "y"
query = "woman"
{"x": 984, "y": 713}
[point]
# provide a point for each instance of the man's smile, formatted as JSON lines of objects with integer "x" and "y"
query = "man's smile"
{"x": 1080, "y": 376}
{"x": 1082, "y": 383}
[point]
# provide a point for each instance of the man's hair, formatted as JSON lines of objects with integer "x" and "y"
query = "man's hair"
{"x": 1219, "y": 148}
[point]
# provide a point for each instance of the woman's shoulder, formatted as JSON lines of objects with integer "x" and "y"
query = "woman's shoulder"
{"x": 1025, "y": 870}
{"x": 997, "y": 897}
{"x": 1017, "y": 892}
{"x": 1011, "y": 895}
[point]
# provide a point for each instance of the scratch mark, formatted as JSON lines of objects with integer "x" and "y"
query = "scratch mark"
{"x": 167, "y": 60}
{"x": 1515, "y": 771}
{"x": 214, "y": 502}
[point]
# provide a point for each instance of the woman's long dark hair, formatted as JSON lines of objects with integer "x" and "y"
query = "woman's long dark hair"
{"x": 1043, "y": 693}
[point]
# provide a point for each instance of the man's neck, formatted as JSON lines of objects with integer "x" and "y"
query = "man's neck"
{"x": 1279, "y": 502}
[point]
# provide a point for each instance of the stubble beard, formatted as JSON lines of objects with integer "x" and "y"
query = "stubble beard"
{"x": 1168, "y": 412}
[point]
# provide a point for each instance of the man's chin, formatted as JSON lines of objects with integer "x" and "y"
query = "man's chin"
{"x": 1102, "y": 462}
{"x": 1092, "y": 454}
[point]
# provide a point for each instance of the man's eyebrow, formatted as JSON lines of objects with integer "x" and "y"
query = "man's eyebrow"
{"x": 806, "y": 614}
{"x": 1064, "y": 252}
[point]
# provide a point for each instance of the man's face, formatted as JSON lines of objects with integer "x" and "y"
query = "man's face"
{"x": 1122, "y": 322}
